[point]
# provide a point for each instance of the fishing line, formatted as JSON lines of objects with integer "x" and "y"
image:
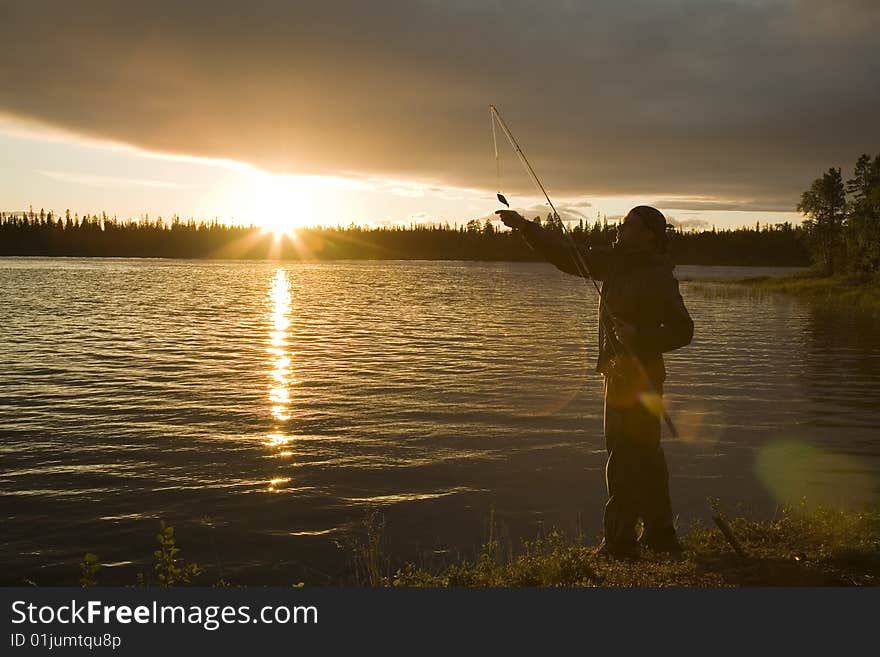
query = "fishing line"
{"x": 580, "y": 263}
{"x": 497, "y": 159}
{"x": 578, "y": 259}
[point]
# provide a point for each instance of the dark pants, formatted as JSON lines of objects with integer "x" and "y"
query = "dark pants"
{"x": 636, "y": 474}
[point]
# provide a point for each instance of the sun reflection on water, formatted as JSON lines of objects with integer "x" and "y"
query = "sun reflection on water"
{"x": 277, "y": 483}
{"x": 281, "y": 373}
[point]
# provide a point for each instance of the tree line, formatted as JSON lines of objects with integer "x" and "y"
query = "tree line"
{"x": 44, "y": 233}
{"x": 842, "y": 225}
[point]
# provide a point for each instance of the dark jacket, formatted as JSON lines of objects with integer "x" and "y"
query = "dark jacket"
{"x": 637, "y": 287}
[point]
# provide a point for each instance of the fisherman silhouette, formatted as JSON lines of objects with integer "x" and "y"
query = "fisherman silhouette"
{"x": 641, "y": 316}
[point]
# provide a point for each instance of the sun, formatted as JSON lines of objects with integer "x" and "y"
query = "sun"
{"x": 280, "y": 204}
{"x": 280, "y": 232}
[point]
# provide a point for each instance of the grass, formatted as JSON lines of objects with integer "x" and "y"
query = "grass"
{"x": 798, "y": 547}
{"x": 833, "y": 289}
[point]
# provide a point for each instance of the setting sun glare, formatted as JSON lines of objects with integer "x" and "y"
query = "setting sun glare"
{"x": 279, "y": 204}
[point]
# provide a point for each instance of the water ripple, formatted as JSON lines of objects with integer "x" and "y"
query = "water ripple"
{"x": 270, "y": 403}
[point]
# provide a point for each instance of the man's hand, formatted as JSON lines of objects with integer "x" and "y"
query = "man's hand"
{"x": 625, "y": 333}
{"x": 511, "y": 218}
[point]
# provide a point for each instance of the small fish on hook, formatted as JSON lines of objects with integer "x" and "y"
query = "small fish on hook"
{"x": 502, "y": 199}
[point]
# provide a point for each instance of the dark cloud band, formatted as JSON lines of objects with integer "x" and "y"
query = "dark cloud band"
{"x": 738, "y": 99}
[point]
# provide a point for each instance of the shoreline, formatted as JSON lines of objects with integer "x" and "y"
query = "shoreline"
{"x": 397, "y": 258}
{"x": 809, "y": 285}
{"x": 800, "y": 546}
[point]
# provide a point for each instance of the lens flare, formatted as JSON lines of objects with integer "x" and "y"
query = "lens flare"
{"x": 795, "y": 472}
{"x": 652, "y": 402}
{"x": 551, "y": 399}
{"x": 696, "y": 423}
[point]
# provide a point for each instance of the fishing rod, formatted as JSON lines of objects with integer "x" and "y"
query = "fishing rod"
{"x": 579, "y": 261}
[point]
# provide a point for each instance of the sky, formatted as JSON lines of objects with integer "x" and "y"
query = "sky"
{"x": 718, "y": 112}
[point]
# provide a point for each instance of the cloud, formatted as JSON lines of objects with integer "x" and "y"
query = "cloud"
{"x": 416, "y": 218}
{"x": 568, "y": 210}
{"x": 688, "y": 224}
{"x": 420, "y": 218}
{"x": 103, "y": 181}
{"x": 583, "y": 203}
{"x": 768, "y": 204}
{"x": 740, "y": 100}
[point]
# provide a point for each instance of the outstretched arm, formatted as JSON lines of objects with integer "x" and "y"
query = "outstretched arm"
{"x": 556, "y": 249}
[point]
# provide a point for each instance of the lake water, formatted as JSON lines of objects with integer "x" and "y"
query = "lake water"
{"x": 263, "y": 408}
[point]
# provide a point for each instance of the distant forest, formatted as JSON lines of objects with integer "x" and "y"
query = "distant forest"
{"x": 46, "y": 234}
